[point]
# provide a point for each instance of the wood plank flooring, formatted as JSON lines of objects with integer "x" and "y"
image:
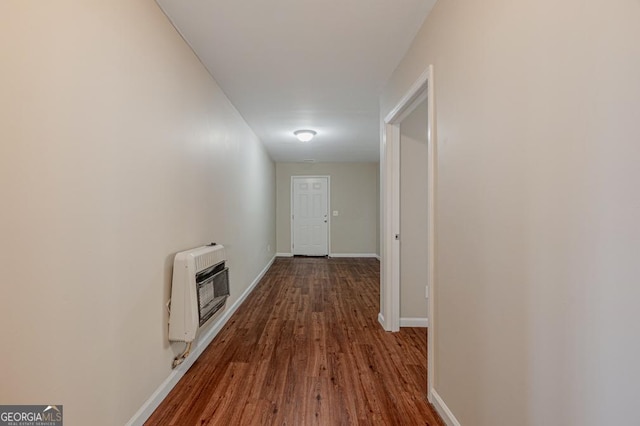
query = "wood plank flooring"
{"x": 306, "y": 349}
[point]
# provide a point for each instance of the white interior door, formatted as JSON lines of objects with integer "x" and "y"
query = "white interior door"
{"x": 310, "y": 216}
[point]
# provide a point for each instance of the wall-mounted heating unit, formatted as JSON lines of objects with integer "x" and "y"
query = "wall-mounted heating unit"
{"x": 199, "y": 289}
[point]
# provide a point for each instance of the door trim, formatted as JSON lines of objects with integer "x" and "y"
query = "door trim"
{"x": 328, "y": 209}
{"x": 390, "y": 167}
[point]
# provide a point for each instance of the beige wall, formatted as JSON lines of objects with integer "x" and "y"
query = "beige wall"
{"x": 354, "y": 193}
{"x": 117, "y": 150}
{"x": 537, "y": 208}
{"x": 413, "y": 213}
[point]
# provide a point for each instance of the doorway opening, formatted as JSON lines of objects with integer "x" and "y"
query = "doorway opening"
{"x": 413, "y": 213}
{"x": 420, "y": 93}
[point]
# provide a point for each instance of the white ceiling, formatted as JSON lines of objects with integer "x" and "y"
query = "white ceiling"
{"x": 303, "y": 64}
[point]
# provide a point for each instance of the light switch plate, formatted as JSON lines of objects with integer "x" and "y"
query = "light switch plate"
{"x": 335, "y": 212}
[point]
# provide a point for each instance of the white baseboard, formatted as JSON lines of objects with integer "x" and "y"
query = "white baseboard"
{"x": 381, "y": 320}
{"x": 443, "y": 410}
{"x": 337, "y": 255}
{"x": 353, "y": 255}
{"x": 163, "y": 390}
{"x": 378, "y": 257}
{"x": 414, "y": 322}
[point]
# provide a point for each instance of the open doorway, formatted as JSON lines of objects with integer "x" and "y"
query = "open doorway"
{"x": 420, "y": 95}
{"x": 413, "y": 217}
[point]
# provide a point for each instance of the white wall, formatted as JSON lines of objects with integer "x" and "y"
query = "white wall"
{"x": 354, "y": 194}
{"x": 117, "y": 150}
{"x": 537, "y": 208}
{"x": 413, "y": 214}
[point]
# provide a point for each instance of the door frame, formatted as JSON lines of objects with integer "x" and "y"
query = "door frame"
{"x": 291, "y": 201}
{"x": 390, "y": 197}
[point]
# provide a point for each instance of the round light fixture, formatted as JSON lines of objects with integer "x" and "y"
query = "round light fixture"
{"x": 305, "y": 135}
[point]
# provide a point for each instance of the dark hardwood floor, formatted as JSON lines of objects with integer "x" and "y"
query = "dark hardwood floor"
{"x": 306, "y": 349}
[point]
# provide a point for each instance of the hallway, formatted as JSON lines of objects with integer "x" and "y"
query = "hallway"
{"x": 305, "y": 348}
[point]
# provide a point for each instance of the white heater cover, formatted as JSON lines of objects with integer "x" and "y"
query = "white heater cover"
{"x": 184, "y": 317}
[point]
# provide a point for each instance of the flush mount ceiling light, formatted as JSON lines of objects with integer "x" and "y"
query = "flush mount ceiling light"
{"x": 304, "y": 135}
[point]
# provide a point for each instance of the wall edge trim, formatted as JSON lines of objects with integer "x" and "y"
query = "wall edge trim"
{"x": 443, "y": 409}
{"x": 414, "y": 322}
{"x": 353, "y": 255}
{"x": 381, "y": 319}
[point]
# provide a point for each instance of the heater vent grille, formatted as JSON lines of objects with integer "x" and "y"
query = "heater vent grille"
{"x": 206, "y": 260}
